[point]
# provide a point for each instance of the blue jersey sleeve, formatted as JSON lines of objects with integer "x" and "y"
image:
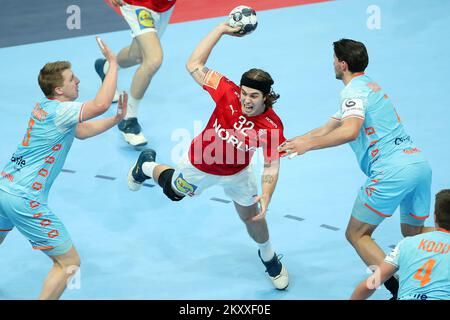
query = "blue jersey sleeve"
{"x": 68, "y": 115}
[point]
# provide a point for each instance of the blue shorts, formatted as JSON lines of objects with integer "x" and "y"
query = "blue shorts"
{"x": 408, "y": 187}
{"x": 36, "y": 222}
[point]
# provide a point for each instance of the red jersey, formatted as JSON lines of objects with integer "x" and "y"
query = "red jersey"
{"x": 155, "y": 5}
{"x": 228, "y": 142}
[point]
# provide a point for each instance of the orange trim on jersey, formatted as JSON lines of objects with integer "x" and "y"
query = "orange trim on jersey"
{"x": 373, "y": 142}
{"x": 42, "y": 247}
{"x": 377, "y": 212}
{"x": 358, "y": 74}
{"x": 212, "y": 79}
{"x": 5, "y": 230}
{"x": 417, "y": 217}
{"x": 442, "y": 230}
{"x": 353, "y": 116}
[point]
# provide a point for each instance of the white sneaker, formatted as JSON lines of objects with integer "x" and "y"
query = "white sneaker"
{"x": 136, "y": 140}
{"x": 276, "y": 271}
{"x": 132, "y": 132}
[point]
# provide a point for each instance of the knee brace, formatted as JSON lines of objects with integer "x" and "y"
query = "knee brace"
{"x": 165, "y": 181}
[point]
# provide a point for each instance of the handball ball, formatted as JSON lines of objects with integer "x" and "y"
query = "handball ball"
{"x": 244, "y": 17}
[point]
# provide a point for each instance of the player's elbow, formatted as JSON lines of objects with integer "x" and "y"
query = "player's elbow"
{"x": 353, "y": 135}
{"x": 81, "y": 136}
{"x": 192, "y": 65}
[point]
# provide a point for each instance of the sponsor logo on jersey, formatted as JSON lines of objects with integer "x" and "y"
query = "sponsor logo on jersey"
{"x": 271, "y": 122}
{"x": 229, "y": 137}
{"x": 145, "y": 19}
{"x": 400, "y": 140}
{"x": 411, "y": 150}
{"x": 184, "y": 186}
{"x": 19, "y": 161}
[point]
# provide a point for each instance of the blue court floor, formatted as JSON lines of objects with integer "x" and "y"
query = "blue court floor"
{"x": 141, "y": 245}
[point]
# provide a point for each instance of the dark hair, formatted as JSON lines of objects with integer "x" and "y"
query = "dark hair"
{"x": 263, "y": 76}
{"x": 51, "y": 76}
{"x": 442, "y": 209}
{"x": 352, "y": 52}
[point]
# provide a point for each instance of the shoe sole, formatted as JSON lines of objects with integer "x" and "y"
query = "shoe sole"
{"x": 286, "y": 275}
{"x": 132, "y": 184}
{"x": 140, "y": 144}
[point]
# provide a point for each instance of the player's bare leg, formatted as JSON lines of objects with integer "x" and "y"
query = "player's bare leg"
{"x": 359, "y": 234}
{"x": 130, "y": 56}
{"x": 259, "y": 232}
{"x": 147, "y": 49}
{"x": 64, "y": 266}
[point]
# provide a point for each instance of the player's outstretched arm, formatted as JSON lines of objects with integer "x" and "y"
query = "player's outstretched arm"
{"x": 269, "y": 180}
{"x": 105, "y": 95}
{"x": 323, "y": 130}
{"x": 92, "y": 128}
{"x": 368, "y": 286}
{"x": 196, "y": 63}
{"x": 347, "y": 131}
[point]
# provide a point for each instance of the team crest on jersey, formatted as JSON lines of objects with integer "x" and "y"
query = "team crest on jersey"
{"x": 145, "y": 19}
{"x": 183, "y": 186}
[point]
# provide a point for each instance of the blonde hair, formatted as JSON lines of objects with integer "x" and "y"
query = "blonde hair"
{"x": 51, "y": 77}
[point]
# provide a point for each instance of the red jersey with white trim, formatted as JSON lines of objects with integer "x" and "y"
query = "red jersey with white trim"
{"x": 227, "y": 144}
{"x": 155, "y": 5}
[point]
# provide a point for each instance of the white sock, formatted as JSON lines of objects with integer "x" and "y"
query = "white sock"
{"x": 266, "y": 251}
{"x": 133, "y": 107}
{"x": 148, "y": 167}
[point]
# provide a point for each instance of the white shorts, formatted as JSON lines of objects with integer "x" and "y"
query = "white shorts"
{"x": 240, "y": 187}
{"x": 142, "y": 20}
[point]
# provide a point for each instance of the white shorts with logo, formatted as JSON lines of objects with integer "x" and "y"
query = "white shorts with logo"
{"x": 142, "y": 20}
{"x": 240, "y": 187}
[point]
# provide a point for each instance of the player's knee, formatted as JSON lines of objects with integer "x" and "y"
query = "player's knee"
{"x": 68, "y": 261}
{"x": 151, "y": 64}
{"x": 349, "y": 235}
{"x": 410, "y": 231}
{"x": 165, "y": 182}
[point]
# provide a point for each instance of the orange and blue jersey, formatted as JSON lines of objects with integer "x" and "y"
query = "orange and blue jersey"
{"x": 382, "y": 141}
{"x": 423, "y": 264}
{"x": 40, "y": 156}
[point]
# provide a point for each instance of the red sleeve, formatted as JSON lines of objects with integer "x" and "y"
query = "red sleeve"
{"x": 275, "y": 137}
{"x": 216, "y": 84}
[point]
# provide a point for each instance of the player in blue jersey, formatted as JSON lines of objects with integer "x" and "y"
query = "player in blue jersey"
{"x": 27, "y": 178}
{"x": 422, "y": 262}
{"x": 397, "y": 172}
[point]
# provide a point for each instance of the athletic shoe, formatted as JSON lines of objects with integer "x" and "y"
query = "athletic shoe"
{"x": 392, "y": 285}
{"x": 132, "y": 132}
{"x": 99, "y": 65}
{"x": 276, "y": 271}
{"x": 136, "y": 176}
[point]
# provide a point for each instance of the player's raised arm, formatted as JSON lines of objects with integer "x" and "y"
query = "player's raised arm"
{"x": 89, "y": 129}
{"x": 105, "y": 95}
{"x": 196, "y": 63}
